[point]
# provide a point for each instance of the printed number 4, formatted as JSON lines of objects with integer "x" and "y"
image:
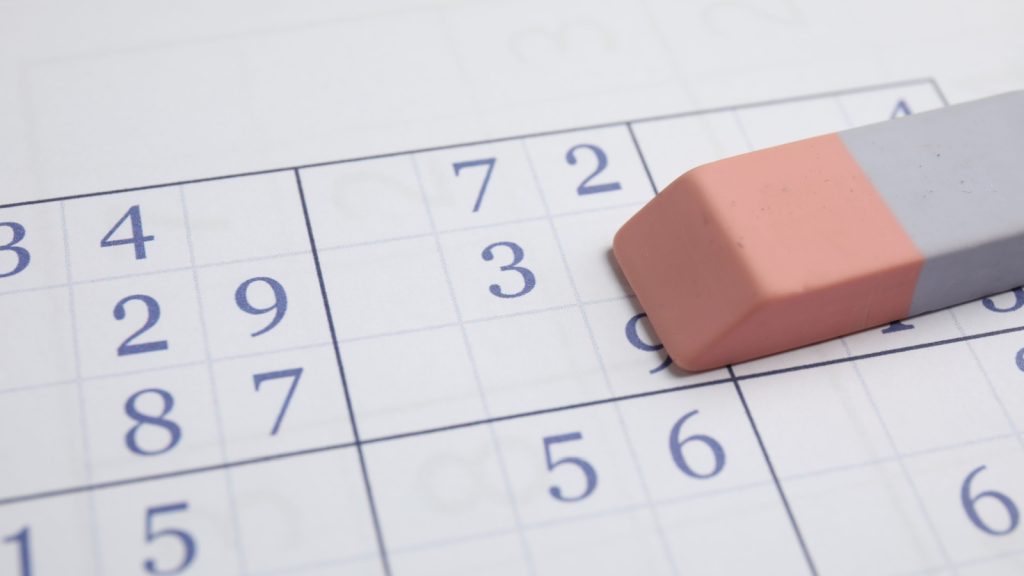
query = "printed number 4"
{"x": 138, "y": 239}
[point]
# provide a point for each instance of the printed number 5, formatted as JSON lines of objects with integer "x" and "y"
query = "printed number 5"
{"x": 583, "y": 465}
{"x": 529, "y": 280}
{"x": 187, "y": 543}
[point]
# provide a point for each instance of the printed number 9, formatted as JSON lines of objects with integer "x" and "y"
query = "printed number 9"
{"x": 529, "y": 280}
{"x": 1018, "y": 302}
{"x": 279, "y": 307}
{"x": 22, "y": 255}
{"x": 633, "y": 335}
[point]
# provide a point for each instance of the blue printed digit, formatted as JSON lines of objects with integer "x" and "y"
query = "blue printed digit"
{"x": 138, "y": 238}
{"x": 279, "y": 307}
{"x": 294, "y": 374}
{"x": 529, "y": 280}
{"x": 160, "y": 421}
{"x": 21, "y": 538}
{"x": 21, "y": 254}
{"x": 586, "y": 187}
{"x": 152, "y": 317}
{"x": 633, "y": 336}
{"x": 901, "y": 109}
{"x": 675, "y": 447}
{"x": 970, "y": 506}
{"x": 1018, "y": 302}
{"x": 589, "y": 474}
{"x": 897, "y": 326}
{"x": 489, "y": 162}
{"x": 183, "y": 538}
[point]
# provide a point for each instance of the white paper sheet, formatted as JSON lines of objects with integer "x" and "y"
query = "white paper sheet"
{"x": 317, "y": 288}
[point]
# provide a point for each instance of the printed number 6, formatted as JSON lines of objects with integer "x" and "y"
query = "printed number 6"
{"x": 529, "y": 280}
{"x": 583, "y": 465}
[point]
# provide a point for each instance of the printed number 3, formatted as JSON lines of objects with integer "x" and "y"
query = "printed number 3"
{"x": 529, "y": 280}
{"x": 17, "y": 235}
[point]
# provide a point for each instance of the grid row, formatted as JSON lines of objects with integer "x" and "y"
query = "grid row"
{"x": 699, "y": 481}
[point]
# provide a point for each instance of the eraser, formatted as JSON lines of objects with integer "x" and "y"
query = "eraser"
{"x": 799, "y": 243}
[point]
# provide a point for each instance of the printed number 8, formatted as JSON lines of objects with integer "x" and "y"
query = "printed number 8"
{"x": 17, "y": 235}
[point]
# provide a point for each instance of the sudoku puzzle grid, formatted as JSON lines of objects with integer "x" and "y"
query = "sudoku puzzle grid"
{"x": 425, "y": 362}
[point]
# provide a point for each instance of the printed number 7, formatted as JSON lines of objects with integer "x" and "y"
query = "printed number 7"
{"x": 294, "y": 374}
{"x": 489, "y": 162}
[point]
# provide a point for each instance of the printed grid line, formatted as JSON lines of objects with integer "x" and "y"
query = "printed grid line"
{"x": 204, "y": 336}
{"x": 699, "y": 112}
{"x": 358, "y": 443}
{"x": 378, "y": 533}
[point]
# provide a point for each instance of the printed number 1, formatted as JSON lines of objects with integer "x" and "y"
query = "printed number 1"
{"x": 489, "y": 162}
{"x": 25, "y": 560}
{"x": 138, "y": 239}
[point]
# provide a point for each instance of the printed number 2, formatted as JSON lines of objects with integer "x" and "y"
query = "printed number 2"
{"x": 529, "y": 280}
{"x": 22, "y": 255}
{"x": 586, "y": 187}
{"x": 24, "y": 557}
{"x": 152, "y": 316}
{"x": 188, "y": 544}
{"x": 138, "y": 239}
{"x": 588, "y": 471}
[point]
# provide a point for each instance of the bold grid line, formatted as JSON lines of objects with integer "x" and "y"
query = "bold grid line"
{"x": 344, "y": 381}
{"x": 703, "y": 111}
{"x": 771, "y": 470}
